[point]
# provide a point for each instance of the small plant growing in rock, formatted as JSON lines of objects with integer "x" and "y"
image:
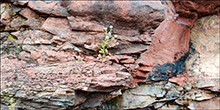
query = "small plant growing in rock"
{"x": 103, "y": 50}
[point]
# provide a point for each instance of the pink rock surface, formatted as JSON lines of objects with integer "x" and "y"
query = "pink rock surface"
{"x": 54, "y": 64}
{"x": 170, "y": 39}
{"x": 57, "y": 26}
{"x": 52, "y": 8}
{"x": 28, "y": 13}
{"x": 87, "y": 77}
{"x": 129, "y": 16}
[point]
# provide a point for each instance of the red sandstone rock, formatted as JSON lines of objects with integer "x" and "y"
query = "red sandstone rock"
{"x": 57, "y": 26}
{"x": 24, "y": 56}
{"x": 129, "y": 48}
{"x": 173, "y": 34}
{"x": 124, "y": 59}
{"x": 86, "y": 26}
{"x": 32, "y": 23}
{"x": 35, "y": 55}
{"x": 20, "y": 2}
{"x": 41, "y": 7}
{"x": 192, "y": 8}
{"x": 59, "y": 11}
{"x": 128, "y": 17}
{"x": 61, "y": 73}
{"x": 203, "y": 62}
{"x": 169, "y": 39}
{"x": 104, "y": 81}
{"x": 51, "y": 8}
{"x": 28, "y": 13}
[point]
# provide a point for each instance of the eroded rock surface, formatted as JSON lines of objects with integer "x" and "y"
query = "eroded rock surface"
{"x": 146, "y": 94}
{"x": 128, "y": 17}
{"x": 56, "y": 83}
{"x": 203, "y": 63}
{"x": 49, "y": 53}
{"x": 171, "y": 39}
{"x": 53, "y": 8}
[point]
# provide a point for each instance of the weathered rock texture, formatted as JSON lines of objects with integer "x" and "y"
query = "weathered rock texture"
{"x": 49, "y": 54}
{"x": 155, "y": 94}
{"x": 171, "y": 38}
{"x": 49, "y": 60}
{"x": 203, "y": 62}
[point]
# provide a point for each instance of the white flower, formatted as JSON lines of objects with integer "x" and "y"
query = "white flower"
{"x": 115, "y": 36}
{"x": 117, "y": 43}
{"x": 105, "y": 29}
{"x": 107, "y": 37}
{"x": 111, "y": 26}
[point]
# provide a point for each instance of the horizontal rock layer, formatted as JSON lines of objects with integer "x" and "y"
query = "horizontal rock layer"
{"x": 49, "y": 54}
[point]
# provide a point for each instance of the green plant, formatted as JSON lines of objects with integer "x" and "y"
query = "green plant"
{"x": 103, "y": 50}
{"x": 79, "y": 60}
{"x": 12, "y": 38}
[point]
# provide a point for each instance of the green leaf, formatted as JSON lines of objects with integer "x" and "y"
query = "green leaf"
{"x": 12, "y": 38}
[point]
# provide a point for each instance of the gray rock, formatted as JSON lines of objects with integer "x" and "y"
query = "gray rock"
{"x": 146, "y": 94}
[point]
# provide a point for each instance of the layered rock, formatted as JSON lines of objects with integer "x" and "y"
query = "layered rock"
{"x": 171, "y": 38}
{"x": 56, "y": 51}
{"x": 57, "y": 82}
{"x": 154, "y": 96}
{"x": 127, "y": 16}
{"x": 53, "y": 8}
{"x": 49, "y": 54}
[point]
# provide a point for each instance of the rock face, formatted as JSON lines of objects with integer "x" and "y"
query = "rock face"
{"x": 154, "y": 95}
{"x": 171, "y": 38}
{"x": 205, "y": 51}
{"x": 52, "y": 83}
{"x": 50, "y": 54}
{"x": 198, "y": 8}
{"x": 203, "y": 62}
{"x": 170, "y": 42}
{"x": 144, "y": 95}
{"x": 53, "y": 8}
{"x": 134, "y": 16}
